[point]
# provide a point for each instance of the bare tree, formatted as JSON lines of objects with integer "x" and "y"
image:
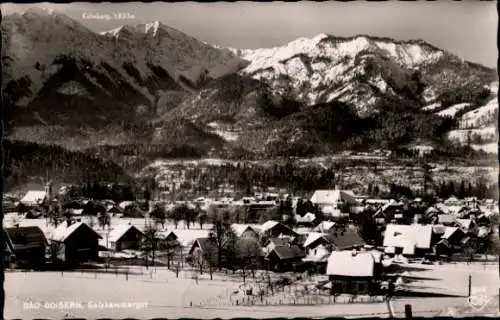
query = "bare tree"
{"x": 202, "y": 217}
{"x": 159, "y": 215}
{"x": 175, "y": 215}
{"x": 248, "y": 255}
{"x": 221, "y": 234}
{"x": 150, "y": 242}
{"x": 104, "y": 219}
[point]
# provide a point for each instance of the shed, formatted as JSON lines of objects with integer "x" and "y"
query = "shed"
{"x": 29, "y": 245}
{"x": 74, "y": 242}
{"x": 125, "y": 236}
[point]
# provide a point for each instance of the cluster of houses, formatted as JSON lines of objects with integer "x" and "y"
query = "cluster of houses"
{"x": 409, "y": 229}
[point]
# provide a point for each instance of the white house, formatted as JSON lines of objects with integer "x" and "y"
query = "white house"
{"x": 331, "y": 201}
{"x": 407, "y": 239}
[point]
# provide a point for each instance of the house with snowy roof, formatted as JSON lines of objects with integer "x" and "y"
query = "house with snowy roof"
{"x": 352, "y": 272}
{"x": 450, "y": 240}
{"x": 332, "y": 202}
{"x": 285, "y": 257}
{"x": 411, "y": 240}
{"x": 307, "y": 219}
{"x": 28, "y": 244}
{"x": 34, "y": 198}
{"x": 124, "y": 236}
{"x": 469, "y": 226}
{"x": 73, "y": 242}
{"x": 245, "y": 231}
{"x": 275, "y": 229}
{"x": 325, "y": 226}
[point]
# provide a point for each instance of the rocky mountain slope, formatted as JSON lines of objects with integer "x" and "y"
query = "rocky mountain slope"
{"x": 64, "y": 80}
{"x": 148, "y": 91}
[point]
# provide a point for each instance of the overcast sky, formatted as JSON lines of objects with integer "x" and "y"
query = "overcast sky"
{"x": 467, "y": 28}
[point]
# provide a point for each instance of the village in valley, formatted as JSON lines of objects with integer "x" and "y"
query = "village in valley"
{"x": 268, "y": 249}
{"x": 247, "y": 160}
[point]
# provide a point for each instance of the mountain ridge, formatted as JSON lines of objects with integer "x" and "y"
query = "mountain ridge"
{"x": 177, "y": 94}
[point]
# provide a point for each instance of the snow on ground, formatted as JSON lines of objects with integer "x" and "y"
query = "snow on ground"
{"x": 452, "y": 111}
{"x": 461, "y": 135}
{"x": 490, "y": 147}
{"x": 480, "y": 115}
{"x": 160, "y": 294}
{"x": 432, "y": 106}
{"x": 226, "y": 135}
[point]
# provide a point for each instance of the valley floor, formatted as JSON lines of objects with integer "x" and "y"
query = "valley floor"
{"x": 158, "y": 293}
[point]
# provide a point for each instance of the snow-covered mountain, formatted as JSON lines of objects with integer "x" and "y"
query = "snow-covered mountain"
{"x": 34, "y": 39}
{"x": 361, "y": 70}
{"x": 61, "y": 79}
{"x": 152, "y": 86}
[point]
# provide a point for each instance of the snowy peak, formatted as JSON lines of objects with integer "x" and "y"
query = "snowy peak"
{"x": 152, "y": 27}
{"x": 358, "y": 70}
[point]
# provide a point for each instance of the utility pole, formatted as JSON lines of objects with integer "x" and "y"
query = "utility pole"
{"x": 470, "y": 285}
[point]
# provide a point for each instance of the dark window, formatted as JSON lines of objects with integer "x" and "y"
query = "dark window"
{"x": 338, "y": 287}
{"x": 361, "y": 287}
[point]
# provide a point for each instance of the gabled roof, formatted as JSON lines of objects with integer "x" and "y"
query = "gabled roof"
{"x": 239, "y": 229}
{"x": 350, "y": 264}
{"x": 119, "y": 231}
{"x": 311, "y": 238}
{"x": 406, "y": 236}
{"x": 449, "y": 231}
{"x": 333, "y": 196}
{"x": 113, "y": 208}
{"x": 272, "y": 224}
{"x": 26, "y": 237}
{"x": 344, "y": 239}
{"x": 464, "y": 223}
{"x": 163, "y": 235}
{"x": 268, "y": 225}
{"x": 34, "y": 197}
{"x": 125, "y": 204}
{"x": 287, "y": 252}
{"x": 324, "y": 226}
{"x": 63, "y": 232}
{"x": 205, "y": 245}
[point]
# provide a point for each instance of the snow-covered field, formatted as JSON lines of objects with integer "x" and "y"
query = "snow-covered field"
{"x": 159, "y": 293}
{"x": 452, "y": 111}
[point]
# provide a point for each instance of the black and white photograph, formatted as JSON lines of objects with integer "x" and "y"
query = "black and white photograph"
{"x": 250, "y": 160}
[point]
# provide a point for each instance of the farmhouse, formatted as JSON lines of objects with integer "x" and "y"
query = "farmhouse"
{"x": 113, "y": 209}
{"x": 245, "y": 231}
{"x": 125, "y": 236}
{"x": 28, "y": 246}
{"x": 203, "y": 252}
{"x": 285, "y": 257}
{"x": 407, "y": 239}
{"x": 274, "y": 229}
{"x": 74, "y": 242}
{"x": 351, "y": 272}
{"x": 333, "y": 201}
